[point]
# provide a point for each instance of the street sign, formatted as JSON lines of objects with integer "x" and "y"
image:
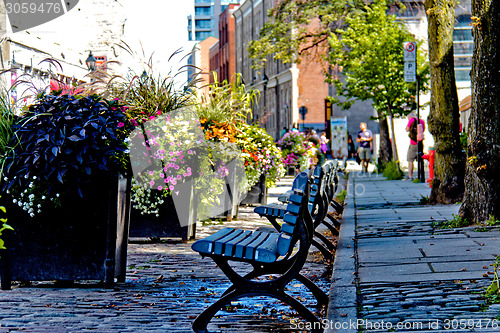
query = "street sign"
{"x": 410, "y": 51}
{"x": 303, "y": 111}
{"x": 410, "y": 71}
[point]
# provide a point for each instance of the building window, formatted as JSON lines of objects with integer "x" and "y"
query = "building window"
{"x": 203, "y": 11}
{"x": 203, "y": 24}
{"x": 463, "y": 45}
{"x": 202, "y": 35}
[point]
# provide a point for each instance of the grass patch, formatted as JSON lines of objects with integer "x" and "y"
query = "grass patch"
{"x": 392, "y": 171}
{"x": 456, "y": 222}
{"x": 216, "y": 221}
{"x": 340, "y": 197}
{"x": 424, "y": 200}
{"x": 492, "y": 293}
{"x": 492, "y": 221}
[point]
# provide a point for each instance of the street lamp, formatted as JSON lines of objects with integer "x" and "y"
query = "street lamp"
{"x": 91, "y": 62}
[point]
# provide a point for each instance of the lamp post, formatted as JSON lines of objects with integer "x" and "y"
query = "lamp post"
{"x": 91, "y": 62}
{"x": 265, "y": 80}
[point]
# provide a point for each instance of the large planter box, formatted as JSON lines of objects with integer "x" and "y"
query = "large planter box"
{"x": 173, "y": 221}
{"x": 86, "y": 239}
{"x": 257, "y": 193}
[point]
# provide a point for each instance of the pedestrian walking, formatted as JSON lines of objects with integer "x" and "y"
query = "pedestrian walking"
{"x": 365, "y": 137}
{"x": 415, "y": 132}
{"x": 323, "y": 142}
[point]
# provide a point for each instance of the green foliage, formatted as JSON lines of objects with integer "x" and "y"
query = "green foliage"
{"x": 456, "y": 222}
{"x": 424, "y": 200}
{"x": 3, "y": 227}
{"x": 416, "y": 181}
{"x": 260, "y": 154}
{"x": 369, "y": 51}
{"x": 340, "y": 197}
{"x": 229, "y": 103}
{"x": 6, "y": 120}
{"x": 147, "y": 95}
{"x": 59, "y": 143}
{"x": 276, "y": 39}
{"x": 492, "y": 293}
{"x": 392, "y": 171}
{"x": 463, "y": 140}
{"x": 492, "y": 221}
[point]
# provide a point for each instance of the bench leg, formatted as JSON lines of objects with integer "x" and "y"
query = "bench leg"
{"x": 334, "y": 230}
{"x": 324, "y": 251}
{"x": 275, "y": 223}
{"x": 201, "y": 322}
{"x": 301, "y": 309}
{"x": 338, "y": 207}
{"x": 325, "y": 241}
{"x": 319, "y": 294}
{"x": 334, "y": 222}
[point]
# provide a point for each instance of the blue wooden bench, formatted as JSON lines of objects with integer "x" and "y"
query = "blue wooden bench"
{"x": 282, "y": 254}
{"x": 323, "y": 188}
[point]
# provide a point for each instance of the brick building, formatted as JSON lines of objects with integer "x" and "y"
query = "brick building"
{"x": 200, "y": 58}
{"x": 284, "y": 88}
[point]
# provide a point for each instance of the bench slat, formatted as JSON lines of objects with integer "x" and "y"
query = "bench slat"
{"x": 239, "y": 251}
{"x": 293, "y": 208}
{"x": 205, "y": 245}
{"x": 230, "y": 245}
{"x": 284, "y": 244}
{"x": 268, "y": 250}
{"x": 219, "y": 244}
{"x": 295, "y": 198}
{"x": 288, "y": 228}
{"x": 261, "y": 210}
{"x": 290, "y": 218}
{"x": 250, "y": 248}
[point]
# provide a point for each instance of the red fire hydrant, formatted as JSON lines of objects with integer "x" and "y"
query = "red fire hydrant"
{"x": 430, "y": 157}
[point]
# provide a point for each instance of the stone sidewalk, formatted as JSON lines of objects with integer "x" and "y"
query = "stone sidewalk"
{"x": 396, "y": 271}
{"x": 167, "y": 286}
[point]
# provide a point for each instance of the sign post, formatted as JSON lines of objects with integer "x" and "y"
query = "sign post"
{"x": 410, "y": 73}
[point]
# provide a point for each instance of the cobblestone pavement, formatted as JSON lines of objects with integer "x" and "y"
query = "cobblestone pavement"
{"x": 409, "y": 275}
{"x": 167, "y": 286}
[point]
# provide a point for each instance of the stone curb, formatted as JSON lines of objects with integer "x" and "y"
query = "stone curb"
{"x": 342, "y": 309}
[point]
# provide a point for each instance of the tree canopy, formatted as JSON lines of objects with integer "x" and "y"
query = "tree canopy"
{"x": 368, "y": 50}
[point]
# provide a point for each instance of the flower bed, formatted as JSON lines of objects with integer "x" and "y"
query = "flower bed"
{"x": 297, "y": 152}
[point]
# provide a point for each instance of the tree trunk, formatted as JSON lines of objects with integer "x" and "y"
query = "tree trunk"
{"x": 482, "y": 194}
{"x": 443, "y": 120}
{"x": 385, "y": 152}
{"x": 394, "y": 147}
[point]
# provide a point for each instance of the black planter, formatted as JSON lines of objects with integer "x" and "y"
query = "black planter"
{"x": 257, "y": 193}
{"x": 86, "y": 239}
{"x": 173, "y": 221}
